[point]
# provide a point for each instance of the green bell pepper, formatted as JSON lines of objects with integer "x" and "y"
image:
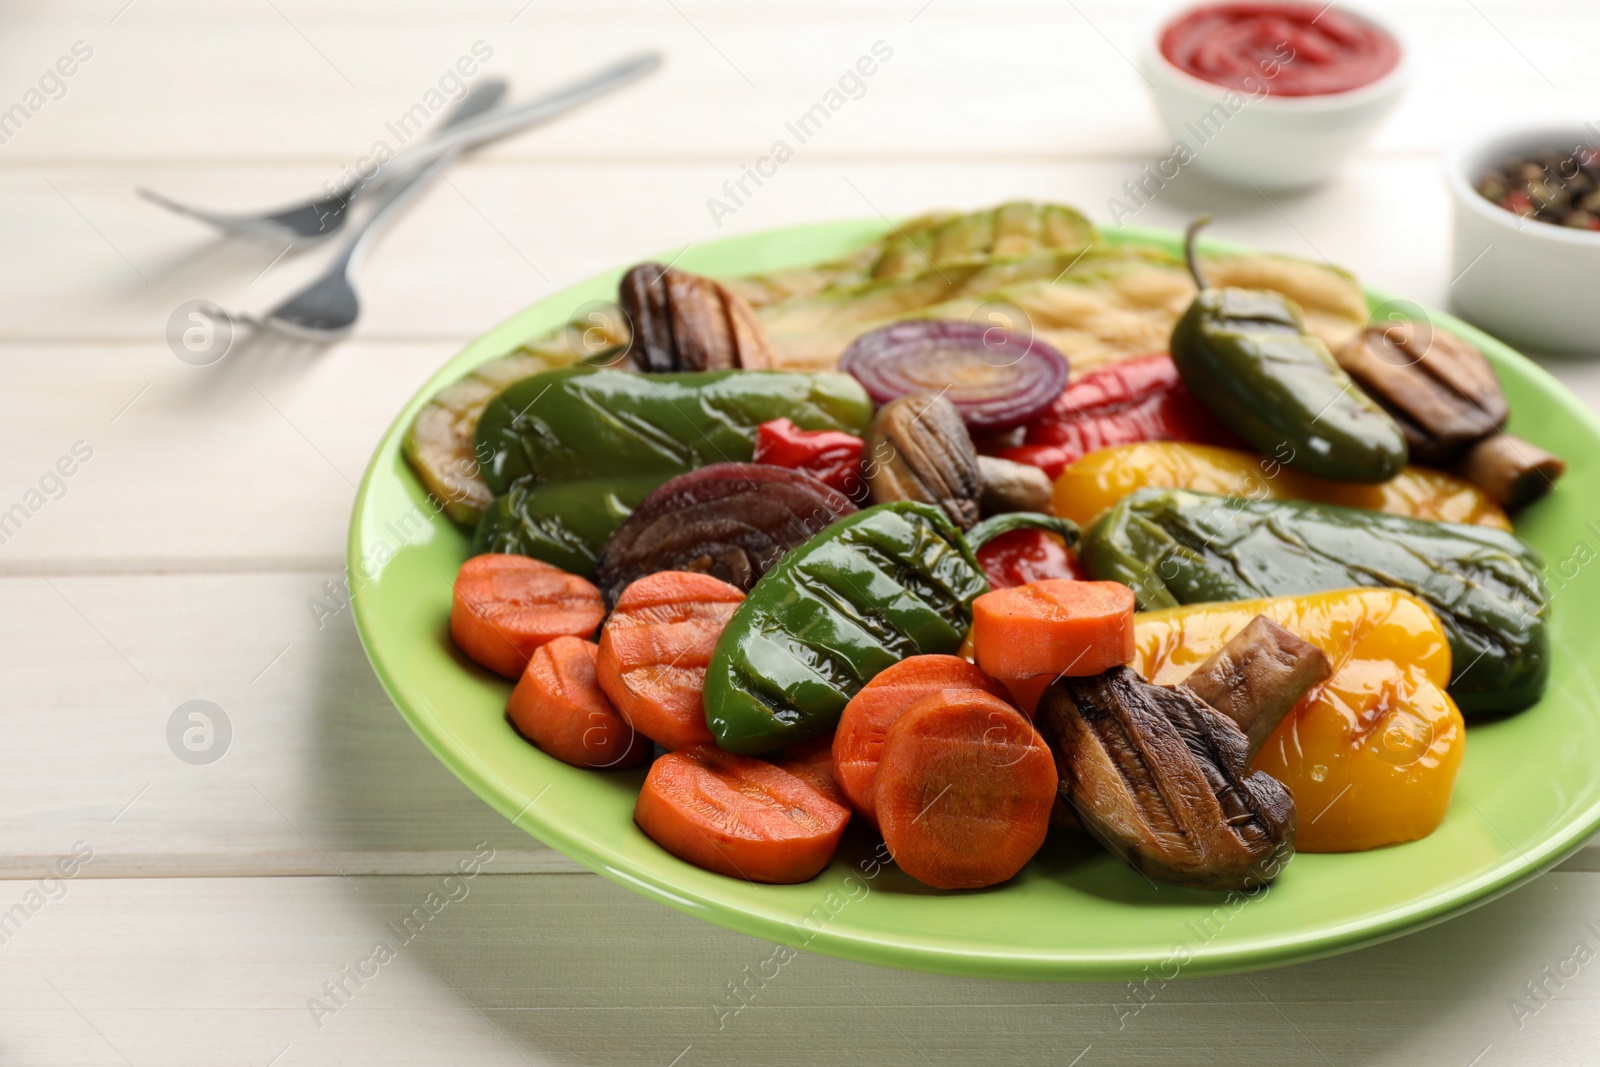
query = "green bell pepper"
{"x": 889, "y": 582}
{"x": 1247, "y": 355}
{"x": 1173, "y": 547}
{"x": 587, "y": 422}
{"x": 564, "y": 523}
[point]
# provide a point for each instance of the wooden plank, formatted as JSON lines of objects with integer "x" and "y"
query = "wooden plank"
{"x": 320, "y": 774}
{"x": 239, "y": 81}
{"x": 93, "y": 262}
{"x": 570, "y": 969}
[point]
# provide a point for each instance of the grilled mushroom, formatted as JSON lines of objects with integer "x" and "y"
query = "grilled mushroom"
{"x": 1160, "y": 778}
{"x": 685, "y": 322}
{"x": 919, "y": 450}
{"x": 1450, "y": 407}
{"x": 1258, "y": 677}
{"x": 1009, "y": 486}
{"x": 1510, "y": 470}
{"x": 1440, "y": 389}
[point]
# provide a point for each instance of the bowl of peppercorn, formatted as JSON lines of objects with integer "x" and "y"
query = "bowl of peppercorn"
{"x": 1526, "y": 258}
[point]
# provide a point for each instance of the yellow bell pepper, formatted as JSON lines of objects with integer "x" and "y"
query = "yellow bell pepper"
{"x": 1098, "y": 480}
{"x": 1371, "y": 755}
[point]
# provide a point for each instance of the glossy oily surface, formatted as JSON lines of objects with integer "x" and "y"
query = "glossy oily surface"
{"x": 1527, "y": 793}
{"x": 1370, "y": 756}
{"x": 1094, "y": 483}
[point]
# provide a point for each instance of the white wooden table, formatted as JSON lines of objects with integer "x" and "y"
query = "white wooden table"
{"x": 180, "y": 561}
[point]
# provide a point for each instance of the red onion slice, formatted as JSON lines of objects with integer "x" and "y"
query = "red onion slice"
{"x": 995, "y": 378}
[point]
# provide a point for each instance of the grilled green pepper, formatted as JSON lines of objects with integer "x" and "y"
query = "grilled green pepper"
{"x": 1246, "y": 353}
{"x": 889, "y": 582}
{"x": 1173, "y": 546}
{"x": 564, "y": 523}
{"x": 585, "y": 422}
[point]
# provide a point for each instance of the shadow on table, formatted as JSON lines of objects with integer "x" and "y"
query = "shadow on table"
{"x": 569, "y": 968}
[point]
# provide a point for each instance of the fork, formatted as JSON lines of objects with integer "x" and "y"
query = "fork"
{"x": 321, "y": 217}
{"x": 326, "y": 309}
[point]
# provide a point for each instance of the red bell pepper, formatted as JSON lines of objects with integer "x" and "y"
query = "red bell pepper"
{"x": 1139, "y": 399}
{"x": 831, "y": 456}
{"x": 1022, "y": 556}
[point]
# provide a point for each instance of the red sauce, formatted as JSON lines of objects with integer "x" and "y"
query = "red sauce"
{"x": 1286, "y": 49}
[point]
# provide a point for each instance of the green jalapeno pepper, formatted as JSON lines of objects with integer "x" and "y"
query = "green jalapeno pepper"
{"x": 889, "y": 582}
{"x": 1247, "y": 355}
{"x": 1173, "y": 547}
{"x": 586, "y": 422}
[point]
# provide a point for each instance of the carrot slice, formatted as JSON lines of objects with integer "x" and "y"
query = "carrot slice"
{"x": 654, "y": 650}
{"x": 738, "y": 816}
{"x": 964, "y": 790}
{"x": 1026, "y": 692}
{"x": 858, "y": 743}
{"x": 506, "y": 606}
{"x": 812, "y": 762}
{"x": 558, "y": 706}
{"x": 1058, "y": 627}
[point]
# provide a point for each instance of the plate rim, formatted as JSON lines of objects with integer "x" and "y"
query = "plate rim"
{"x": 893, "y": 949}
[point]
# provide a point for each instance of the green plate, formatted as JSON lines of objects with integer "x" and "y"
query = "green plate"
{"x": 1528, "y": 794}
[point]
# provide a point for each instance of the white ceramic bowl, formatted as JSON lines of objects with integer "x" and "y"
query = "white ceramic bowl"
{"x": 1530, "y": 282}
{"x": 1270, "y": 142}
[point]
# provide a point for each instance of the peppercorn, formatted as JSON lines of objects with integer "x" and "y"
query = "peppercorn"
{"x": 1558, "y": 188}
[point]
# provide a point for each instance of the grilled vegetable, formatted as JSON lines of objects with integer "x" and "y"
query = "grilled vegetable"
{"x": 503, "y": 608}
{"x": 1440, "y": 390}
{"x": 1009, "y": 486}
{"x": 1509, "y": 470}
{"x": 921, "y": 451}
{"x": 729, "y": 520}
{"x": 1161, "y": 779}
{"x": 1096, "y": 306}
{"x": 684, "y": 322}
{"x": 943, "y": 239}
{"x": 564, "y": 523}
{"x": 1247, "y": 355}
{"x": 889, "y": 582}
{"x": 439, "y": 444}
{"x": 1018, "y": 557}
{"x": 1057, "y": 628}
{"x": 1177, "y": 547}
{"x": 1142, "y": 399}
{"x": 558, "y": 705}
{"x": 580, "y": 422}
{"x": 858, "y": 742}
{"x": 963, "y": 790}
{"x": 995, "y": 378}
{"x": 833, "y": 457}
{"x": 1371, "y": 755}
{"x": 741, "y": 817}
{"x": 653, "y": 651}
{"x": 1096, "y": 482}
{"x": 1258, "y": 677}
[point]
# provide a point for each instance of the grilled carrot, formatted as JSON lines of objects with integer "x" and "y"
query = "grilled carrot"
{"x": 858, "y": 743}
{"x": 738, "y": 816}
{"x": 812, "y": 762}
{"x": 654, "y": 650}
{"x": 503, "y": 607}
{"x": 558, "y": 706}
{"x": 964, "y": 790}
{"x": 1055, "y": 627}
